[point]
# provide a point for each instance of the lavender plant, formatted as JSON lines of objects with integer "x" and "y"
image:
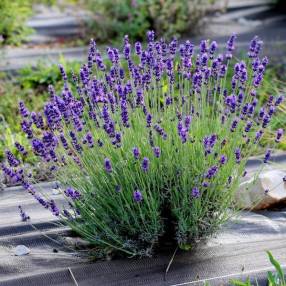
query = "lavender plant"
{"x": 153, "y": 144}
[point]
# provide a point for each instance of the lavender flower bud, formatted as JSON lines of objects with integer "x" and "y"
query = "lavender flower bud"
{"x": 211, "y": 172}
{"x": 63, "y": 73}
{"x": 136, "y": 153}
{"x": 265, "y": 120}
{"x": 21, "y": 149}
{"x": 137, "y": 196}
{"x": 12, "y": 160}
{"x": 223, "y": 159}
{"x": 188, "y": 120}
{"x": 73, "y": 194}
{"x": 205, "y": 184}
{"x": 267, "y": 156}
{"x": 89, "y": 139}
{"x": 258, "y": 136}
{"x": 23, "y": 215}
{"x": 145, "y": 164}
{"x": 195, "y": 193}
{"x": 107, "y": 165}
{"x": 203, "y": 46}
{"x": 279, "y": 135}
{"x": 248, "y": 126}
{"x": 23, "y": 110}
{"x": 157, "y": 151}
{"x": 233, "y": 125}
{"x": 279, "y": 100}
{"x": 138, "y": 48}
{"x": 54, "y": 209}
{"x": 237, "y": 153}
{"x": 213, "y": 47}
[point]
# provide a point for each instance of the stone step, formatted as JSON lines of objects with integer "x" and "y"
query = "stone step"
{"x": 242, "y": 13}
{"x": 236, "y": 4}
{"x": 17, "y": 58}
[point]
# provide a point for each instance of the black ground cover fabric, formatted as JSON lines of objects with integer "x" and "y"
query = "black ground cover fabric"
{"x": 238, "y": 251}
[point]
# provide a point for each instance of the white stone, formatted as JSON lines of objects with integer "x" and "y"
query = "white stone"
{"x": 21, "y": 250}
{"x": 56, "y": 191}
{"x": 263, "y": 191}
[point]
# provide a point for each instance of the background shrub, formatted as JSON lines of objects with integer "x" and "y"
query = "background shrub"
{"x": 133, "y": 17}
{"x": 13, "y": 15}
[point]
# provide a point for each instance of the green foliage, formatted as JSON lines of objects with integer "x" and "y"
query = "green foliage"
{"x": 8, "y": 139}
{"x": 13, "y": 15}
{"x": 278, "y": 278}
{"x": 40, "y": 77}
{"x": 134, "y": 17}
{"x": 273, "y": 279}
{"x": 30, "y": 85}
{"x": 275, "y": 84}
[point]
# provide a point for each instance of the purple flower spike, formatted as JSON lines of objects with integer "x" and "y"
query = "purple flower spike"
{"x": 23, "y": 215}
{"x": 23, "y": 110}
{"x": 248, "y": 126}
{"x": 107, "y": 165}
{"x": 137, "y": 196}
{"x": 233, "y": 125}
{"x": 89, "y": 139}
{"x": 157, "y": 152}
{"x": 203, "y": 46}
{"x": 73, "y": 194}
{"x": 258, "y": 135}
{"x": 63, "y": 73}
{"x": 230, "y": 42}
{"x": 138, "y": 48}
{"x": 12, "y": 160}
{"x": 136, "y": 153}
{"x": 169, "y": 101}
{"x": 213, "y": 47}
{"x": 145, "y": 164}
{"x": 237, "y": 153}
{"x": 279, "y": 100}
{"x": 188, "y": 120}
{"x": 223, "y": 159}
{"x": 267, "y": 156}
{"x": 196, "y": 193}
{"x": 265, "y": 120}
{"x": 21, "y": 149}
{"x": 205, "y": 184}
{"x": 54, "y": 209}
{"x": 211, "y": 172}
{"x": 149, "y": 120}
{"x": 279, "y": 135}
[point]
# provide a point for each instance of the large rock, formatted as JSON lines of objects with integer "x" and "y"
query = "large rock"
{"x": 262, "y": 191}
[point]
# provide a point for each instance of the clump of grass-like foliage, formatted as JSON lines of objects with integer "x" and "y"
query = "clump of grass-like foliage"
{"x": 153, "y": 145}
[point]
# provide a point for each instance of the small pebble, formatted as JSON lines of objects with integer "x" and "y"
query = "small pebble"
{"x": 21, "y": 250}
{"x": 55, "y": 191}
